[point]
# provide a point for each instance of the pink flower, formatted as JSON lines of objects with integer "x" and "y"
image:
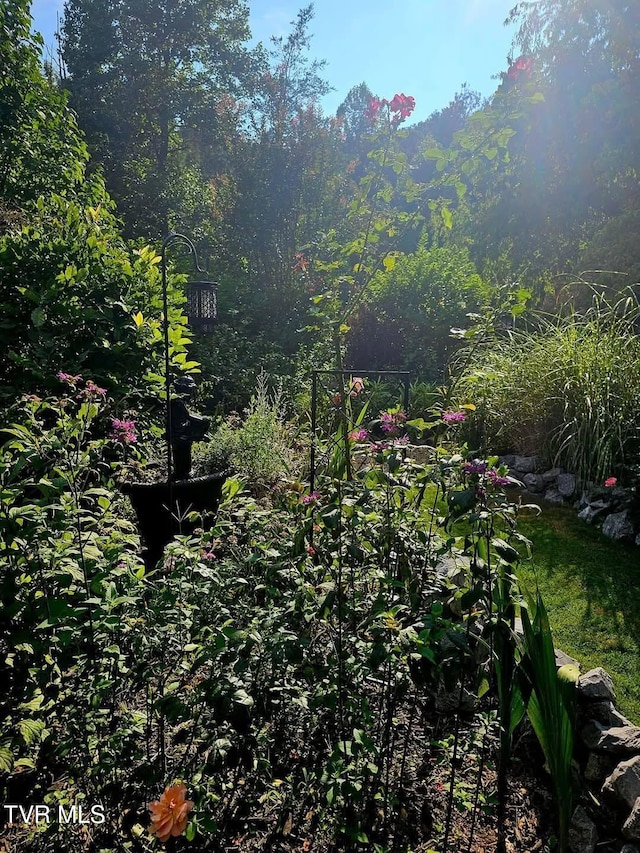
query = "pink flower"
{"x": 391, "y": 421}
{"x": 454, "y": 417}
{"x": 123, "y": 431}
{"x": 610, "y": 482}
{"x": 357, "y": 384}
{"x": 67, "y": 377}
{"x": 371, "y": 113}
{"x": 358, "y": 435}
{"x": 91, "y": 388}
{"x": 403, "y": 105}
{"x": 309, "y": 499}
{"x": 520, "y": 68}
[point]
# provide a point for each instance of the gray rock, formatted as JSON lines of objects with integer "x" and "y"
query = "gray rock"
{"x": 618, "y": 526}
{"x": 566, "y": 485}
{"x": 605, "y": 712}
{"x": 592, "y": 512}
{"x": 509, "y": 460}
{"x": 629, "y": 848}
{"x": 533, "y": 483}
{"x": 551, "y": 475}
{"x": 624, "y": 782}
{"x": 583, "y": 835}
{"x": 562, "y": 658}
{"x": 526, "y": 464}
{"x": 637, "y": 539}
{"x": 599, "y": 766}
{"x": 423, "y": 454}
{"x": 619, "y": 740}
{"x": 631, "y": 826}
{"x": 553, "y": 496}
{"x": 596, "y": 684}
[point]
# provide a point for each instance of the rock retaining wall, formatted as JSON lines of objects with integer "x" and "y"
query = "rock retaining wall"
{"x": 614, "y": 509}
{"x": 609, "y": 755}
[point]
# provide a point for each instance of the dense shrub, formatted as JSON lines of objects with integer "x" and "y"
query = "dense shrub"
{"x": 405, "y": 321}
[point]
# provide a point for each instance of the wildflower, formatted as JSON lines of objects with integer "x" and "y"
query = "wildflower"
{"x": 380, "y": 446}
{"x": 358, "y": 435}
{"x": 610, "y": 482}
{"x": 371, "y": 113}
{"x": 391, "y": 421}
{"x": 403, "y": 105}
{"x": 68, "y": 377}
{"x": 31, "y": 398}
{"x": 309, "y": 499}
{"x": 336, "y": 399}
{"x": 475, "y": 467}
{"x": 123, "y": 431}
{"x": 91, "y": 388}
{"x": 521, "y": 67}
{"x": 454, "y": 417}
{"x": 311, "y": 551}
{"x": 357, "y": 384}
{"x": 497, "y": 479}
{"x": 301, "y": 263}
{"x": 169, "y": 813}
{"x": 401, "y": 440}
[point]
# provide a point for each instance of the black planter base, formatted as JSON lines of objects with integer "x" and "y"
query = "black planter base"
{"x": 157, "y": 523}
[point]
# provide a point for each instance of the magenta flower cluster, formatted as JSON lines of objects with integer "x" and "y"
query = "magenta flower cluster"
{"x": 90, "y": 388}
{"x": 68, "y": 378}
{"x": 481, "y": 468}
{"x": 391, "y": 422}
{"x": 358, "y": 435}
{"x": 123, "y": 431}
{"x": 454, "y": 417}
{"x": 309, "y": 499}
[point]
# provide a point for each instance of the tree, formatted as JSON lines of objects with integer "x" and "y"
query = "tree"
{"x": 70, "y": 287}
{"x": 41, "y": 149}
{"x": 145, "y": 78}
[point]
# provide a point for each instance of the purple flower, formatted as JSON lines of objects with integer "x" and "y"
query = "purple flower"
{"x": 454, "y": 417}
{"x": 475, "y": 467}
{"x": 123, "y": 431}
{"x": 358, "y": 435}
{"x": 391, "y": 421}
{"x": 497, "y": 479}
{"x": 309, "y": 499}
{"x": 379, "y": 446}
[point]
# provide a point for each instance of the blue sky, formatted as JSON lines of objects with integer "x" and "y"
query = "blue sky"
{"x": 424, "y": 48}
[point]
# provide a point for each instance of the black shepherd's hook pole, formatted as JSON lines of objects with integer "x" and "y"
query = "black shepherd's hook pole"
{"x": 171, "y": 238}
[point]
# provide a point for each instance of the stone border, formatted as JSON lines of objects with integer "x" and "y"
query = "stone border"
{"x": 611, "y": 509}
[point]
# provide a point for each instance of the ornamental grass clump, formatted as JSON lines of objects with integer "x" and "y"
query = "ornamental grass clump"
{"x": 567, "y": 389}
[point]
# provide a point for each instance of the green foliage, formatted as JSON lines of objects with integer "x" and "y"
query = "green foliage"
{"x": 71, "y": 291}
{"x": 404, "y": 321}
{"x": 257, "y": 446}
{"x": 41, "y": 149}
{"x": 282, "y": 654}
{"x": 551, "y": 709}
{"x": 163, "y": 72}
{"x": 568, "y": 388}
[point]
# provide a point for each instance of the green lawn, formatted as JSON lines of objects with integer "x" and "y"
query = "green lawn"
{"x": 591, "y": 588}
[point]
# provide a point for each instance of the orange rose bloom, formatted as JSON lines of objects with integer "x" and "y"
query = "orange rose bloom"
{"x": 169, "y": 813}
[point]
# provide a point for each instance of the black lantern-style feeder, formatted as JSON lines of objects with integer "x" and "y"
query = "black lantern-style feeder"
{"x": 202, "y": 303}
{"x": 202, "y": 311}
{"x": 162, "y": 508}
